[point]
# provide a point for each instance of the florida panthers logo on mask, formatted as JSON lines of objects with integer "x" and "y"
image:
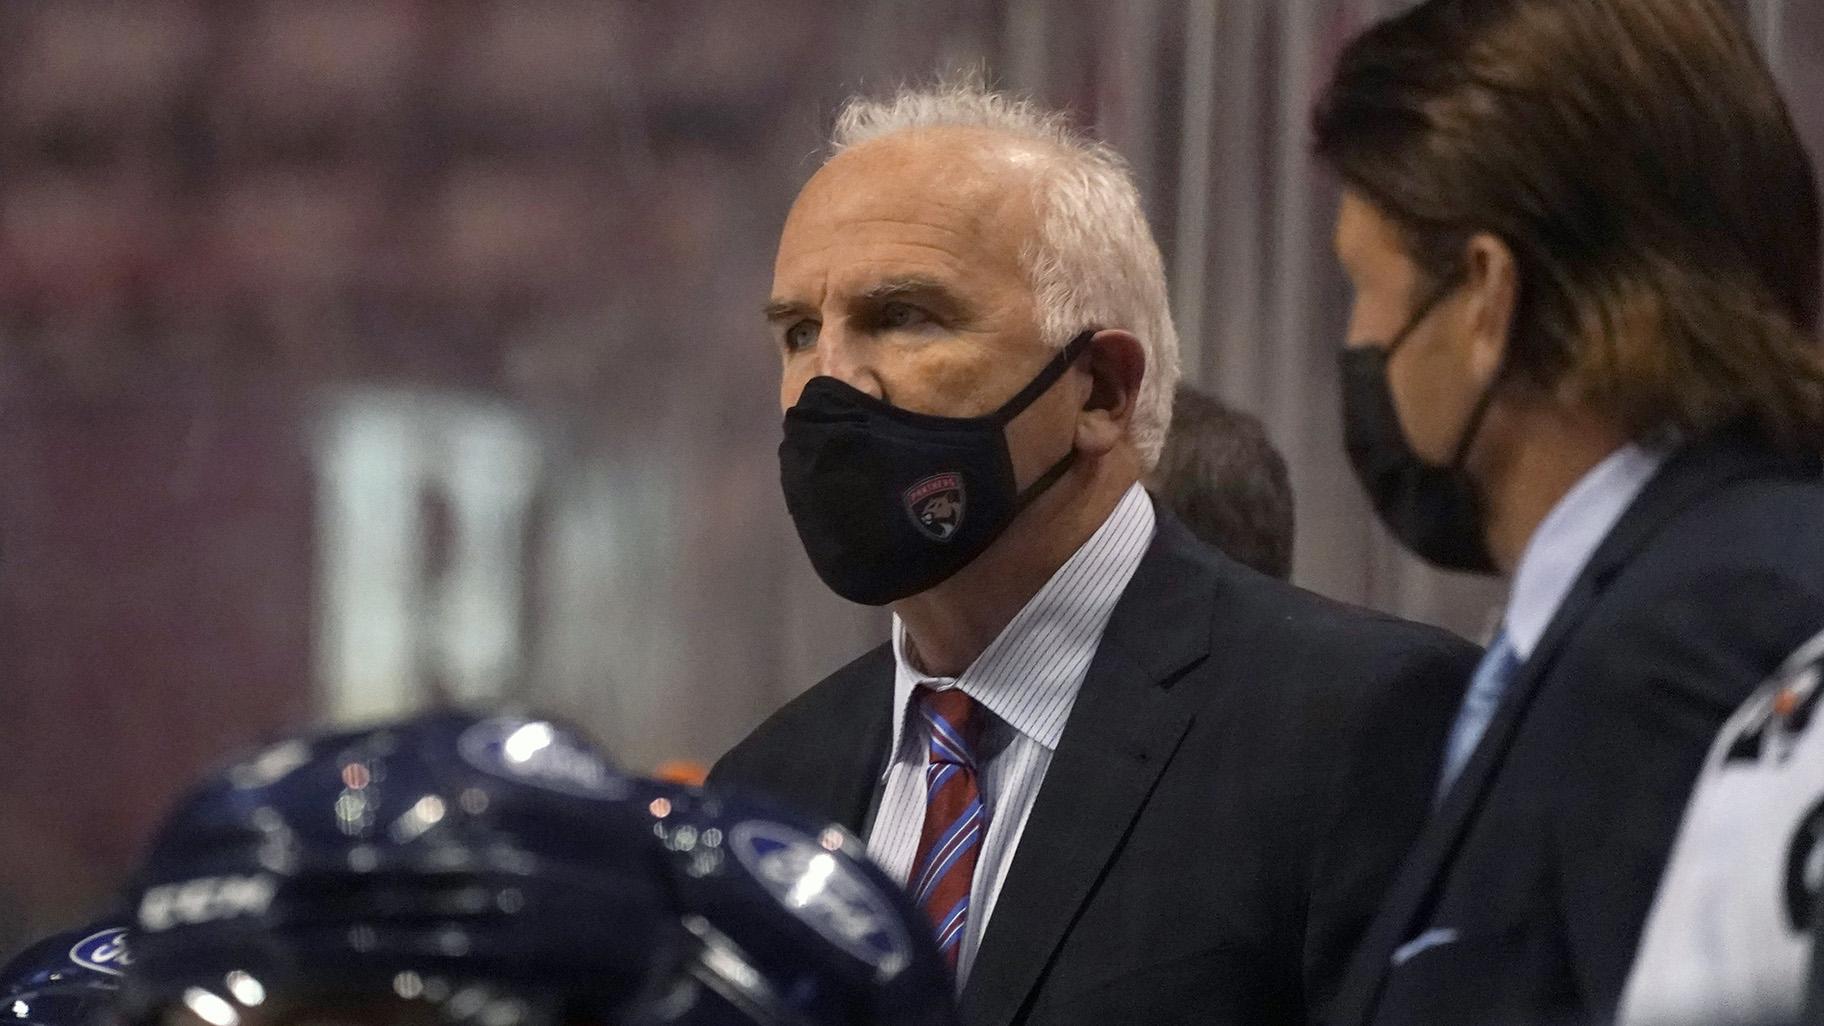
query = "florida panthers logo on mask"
{"x": 935, "y": 505}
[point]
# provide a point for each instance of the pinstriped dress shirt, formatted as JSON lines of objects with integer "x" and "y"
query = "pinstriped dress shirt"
{"x": 1026, "y": 681}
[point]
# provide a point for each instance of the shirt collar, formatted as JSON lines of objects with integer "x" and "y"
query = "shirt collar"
{"x": 1568, "y": 536}
{"x": 1029, "y": 675}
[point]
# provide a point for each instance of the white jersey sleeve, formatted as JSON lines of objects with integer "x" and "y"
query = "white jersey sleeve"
{"x": 1729, "y": 939}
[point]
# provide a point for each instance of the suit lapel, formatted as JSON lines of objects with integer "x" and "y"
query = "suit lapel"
{"x": 1410, "y": 894}
{"x": 1122, "y": 732}
{"x": 844, "y": 781}
{"x": 1687, "y": 477}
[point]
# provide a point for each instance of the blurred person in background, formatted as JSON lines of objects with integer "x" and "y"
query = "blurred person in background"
{"x": 475, "y": 870}
{"x": 1583, "y": 355}
{"x": 1730, "y": 937}
{"x": 1221, "y": 476}
{"x": 1126, "y": 780}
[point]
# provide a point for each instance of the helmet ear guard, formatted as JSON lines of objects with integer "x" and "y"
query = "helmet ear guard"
{"x": 715, "y": 983}
{"x": 801, "y": 908}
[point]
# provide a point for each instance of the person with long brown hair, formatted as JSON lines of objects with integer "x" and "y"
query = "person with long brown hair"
{"x": 1583, "y": 355}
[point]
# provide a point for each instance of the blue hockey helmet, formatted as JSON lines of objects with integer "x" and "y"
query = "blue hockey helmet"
{"x": 66, "y": 979}
{"x": 792, "y": 922}
{"x": 450, "y": 859}
{"x": 498, "y": 871}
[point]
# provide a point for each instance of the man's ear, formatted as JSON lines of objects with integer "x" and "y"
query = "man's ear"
{"x": 1116, "y": 362}
{"x": 1492, "y": 290}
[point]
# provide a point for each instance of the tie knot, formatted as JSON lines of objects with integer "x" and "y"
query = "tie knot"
{"x": 951, "y": 715}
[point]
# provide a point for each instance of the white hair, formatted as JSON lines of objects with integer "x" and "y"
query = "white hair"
{"x": 1095, "y": 263}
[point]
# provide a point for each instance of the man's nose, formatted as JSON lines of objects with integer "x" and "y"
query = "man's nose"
{"x": 848, "y": 358}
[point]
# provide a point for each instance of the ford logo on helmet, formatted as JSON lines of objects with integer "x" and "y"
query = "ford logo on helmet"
{"x": 539, "y": 754}
{"x": 824, "y": 892}
{"x": 104, "y": 951}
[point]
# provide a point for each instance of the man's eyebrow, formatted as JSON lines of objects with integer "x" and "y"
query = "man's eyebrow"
{"x": 929, "y": 290}
{"x": 904, "y": 288}
{"x": 784, "y": 310}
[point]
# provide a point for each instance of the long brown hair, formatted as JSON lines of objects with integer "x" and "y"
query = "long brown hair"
{"x": 1637, "y": 158}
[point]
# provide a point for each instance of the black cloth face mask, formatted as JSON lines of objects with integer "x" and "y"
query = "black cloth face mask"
{"x": 888, "y": 502}
{"x": 1437, "y": 512}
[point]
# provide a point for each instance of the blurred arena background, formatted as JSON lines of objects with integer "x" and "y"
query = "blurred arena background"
{"x": 355, "y": 353}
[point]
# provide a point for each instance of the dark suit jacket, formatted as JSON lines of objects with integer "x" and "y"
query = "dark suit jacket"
{"x": 1543, "y": 859}
{"x": 1814, "y": 1001}
{"x": 1244, "y": 766}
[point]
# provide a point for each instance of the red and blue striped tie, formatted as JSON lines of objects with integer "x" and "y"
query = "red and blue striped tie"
{"x": 954, "y": 818}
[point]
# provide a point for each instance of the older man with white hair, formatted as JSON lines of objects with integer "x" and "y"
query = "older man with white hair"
{"x": 1128, "y": 779}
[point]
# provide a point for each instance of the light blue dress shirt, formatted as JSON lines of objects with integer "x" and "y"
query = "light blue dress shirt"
{"x": 1554, "y": 558}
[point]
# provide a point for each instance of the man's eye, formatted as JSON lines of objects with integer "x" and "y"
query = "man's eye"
{"x": 900, "y": 315}
{"x": 800, "y": 336}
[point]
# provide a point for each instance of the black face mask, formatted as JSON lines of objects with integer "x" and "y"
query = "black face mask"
{"x": 1434, "y": 511}
{"x": 889, "y": 503}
